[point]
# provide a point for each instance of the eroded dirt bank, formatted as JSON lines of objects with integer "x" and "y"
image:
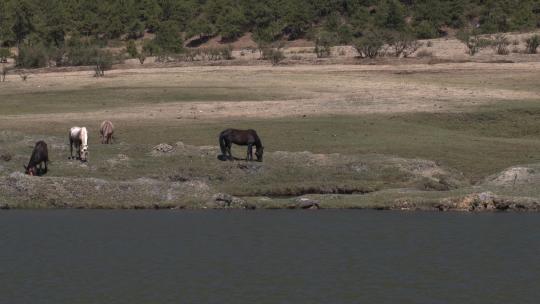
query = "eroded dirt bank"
{"x": 336, "y": 182}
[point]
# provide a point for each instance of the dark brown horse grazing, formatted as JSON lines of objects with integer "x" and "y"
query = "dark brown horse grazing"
{"x": 242, "y": 138}
{"x": 106, "y": 131}
{"x": 40, "y": 154}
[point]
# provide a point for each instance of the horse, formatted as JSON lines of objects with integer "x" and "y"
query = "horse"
{"x": 40, "y": 155}
{"x": 78, "y": 137}
{"x": 243, "y": 138}
{"x": 106, "y": 131}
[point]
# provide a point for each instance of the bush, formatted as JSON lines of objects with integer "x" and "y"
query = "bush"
{"x": 4, "y": 70}
{"x": 168, "y": 38}
{"x": 323, "y": 43}
{"x": 403, "y": 43}
{"x": 473, "y": 41}
{"x": 345, "y": 34}
{"x": 226, "y": 52}
{"x": 500, "y": 44}
{"x": 103, "y": 61}
{"x": 131, "y": 49}
{"x": 79, "y": 53}
{"x": 370, "y": 45}
{"x": 274, "y": 55}
{"x": 150, "y": 48}
{"x": 425, "y": 30}
{"x": 4, "y": 55}
{"x": 142, "y": 58}
{"x": 216, "y": 53}
{"x": 32, "y": 56}
{"x": 532, "y": 44}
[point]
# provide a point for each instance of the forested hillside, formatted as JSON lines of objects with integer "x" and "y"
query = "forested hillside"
{"x": 56, "y": 27}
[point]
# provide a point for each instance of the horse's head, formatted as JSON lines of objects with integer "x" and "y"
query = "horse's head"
{"x": 259, "y": 153}
{"x": 32, "y": 170}
{"x": 84, "y": 153}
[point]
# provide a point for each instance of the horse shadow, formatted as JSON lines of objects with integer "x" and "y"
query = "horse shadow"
{"x": 222, "y": 157}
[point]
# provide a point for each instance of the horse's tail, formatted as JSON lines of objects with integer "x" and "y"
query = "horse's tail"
{"x": 222, "y": 143}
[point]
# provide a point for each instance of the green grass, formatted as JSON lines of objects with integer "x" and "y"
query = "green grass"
{"x": 477, "y": 143}
{"x": 470, "y": 145}
{"x": 88, "y": 99}
{"x": 501, "y": 79}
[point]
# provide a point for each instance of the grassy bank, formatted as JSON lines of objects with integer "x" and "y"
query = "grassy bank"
{"x": 381, "y": 159}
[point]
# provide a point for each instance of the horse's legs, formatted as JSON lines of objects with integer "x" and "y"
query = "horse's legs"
{"x": 249, "y": 152}
{"x": 70, "y": 148}
{"x": 229, "y": 145}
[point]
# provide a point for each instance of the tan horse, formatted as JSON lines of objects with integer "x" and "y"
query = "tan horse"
{"x": 106, "y": 131}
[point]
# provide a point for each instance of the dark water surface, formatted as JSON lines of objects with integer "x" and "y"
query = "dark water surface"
{"x": 80, "y": 256}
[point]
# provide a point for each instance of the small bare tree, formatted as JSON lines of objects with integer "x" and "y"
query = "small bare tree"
{"x": 23, "y": 75}
{"x": 370, "y": 45}
{"x": 473, "y": 41}
{"x": 532, "y": 44}
{"x": 403, "y": 43}
{"x": 142, "y": 57}
{"x": 3, "y": 72}
{"x": 500, "y": 44}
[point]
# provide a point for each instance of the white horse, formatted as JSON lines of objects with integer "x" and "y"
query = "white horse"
{"x": 79, "y": 138}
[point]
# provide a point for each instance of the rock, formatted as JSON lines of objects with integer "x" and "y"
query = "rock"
{"x": 306, "y": 203}
{"x": 224, "y": 200}
{"x": 163, "y": 148}
{"x": 477, "y": 202}
{"x": 403, "y": 205}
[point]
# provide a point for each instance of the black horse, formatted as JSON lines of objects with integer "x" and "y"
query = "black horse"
{"x": 40, "y": 155}
{"x": 242, "y": 138}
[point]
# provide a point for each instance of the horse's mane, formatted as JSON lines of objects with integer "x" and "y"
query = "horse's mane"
{"x": 83, "y": 135}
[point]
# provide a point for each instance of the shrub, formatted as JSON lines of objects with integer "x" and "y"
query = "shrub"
{"x": 532, "y": 44}
{"x": 23, "y": 76}
{"x": 32, "y": 56}
{"x": 403, "y": 43}
{"x": 500, "y": 44}
{"x": 168, "y": 38}
{"x": 274, "y": 55}
{"x": 226, "y": 52}
{"x": 79, "y": 53}
{"x": 150, "y": 48}
{"x": 370, "y": 45}
{"x": 103, "y": 61}
{"x": 429, "y": 43}
{"x": 425, "y": 30}
{"x": 345, "y": 34}
{"x": 323, "y": 43}
{"x": 131, "y": 49}
{"x": 4, "y": 70}
{"x": 472, "y": 40}
{"x": 4, "y": 55}
{"x": 142, "y": 58}
{"x": 215, "y": 53}
{"x": 191, "y": 54}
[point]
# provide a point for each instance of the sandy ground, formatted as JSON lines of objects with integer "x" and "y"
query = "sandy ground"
{"x": 306, "y": 90}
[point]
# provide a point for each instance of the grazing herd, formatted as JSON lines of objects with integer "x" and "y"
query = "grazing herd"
{"x": 78, "y": 138}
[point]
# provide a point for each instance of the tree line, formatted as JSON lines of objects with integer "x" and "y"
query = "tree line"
{"x": 72, "y": 32}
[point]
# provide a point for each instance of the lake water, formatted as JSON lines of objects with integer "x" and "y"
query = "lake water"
{"x": 84, "y": 256}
